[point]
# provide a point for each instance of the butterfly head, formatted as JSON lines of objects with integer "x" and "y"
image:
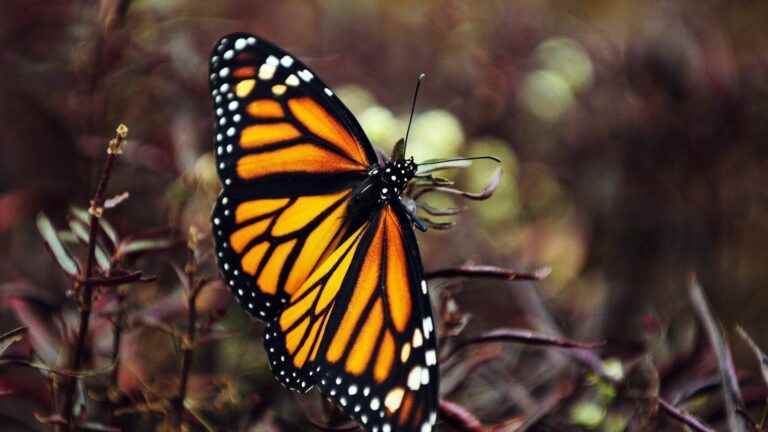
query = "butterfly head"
{"x": 393, "y": 177}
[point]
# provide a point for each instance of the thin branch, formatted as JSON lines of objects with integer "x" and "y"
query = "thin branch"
{"x": 194, "y": 287}
{"x": 683, "y": 417}
{"x": 112, "y": 281}
{"x": 485, "y": 271}
{"x": 525, "y": 337}
{"x": 57, "y": 371}
{"x": 118, "y": 324}
{"x": 86, "y": 293}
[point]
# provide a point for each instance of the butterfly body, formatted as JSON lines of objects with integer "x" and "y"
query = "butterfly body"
{"x": 313, "y": 239}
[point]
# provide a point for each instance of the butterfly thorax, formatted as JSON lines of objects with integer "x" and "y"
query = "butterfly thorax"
{"x": 390, "y": 180}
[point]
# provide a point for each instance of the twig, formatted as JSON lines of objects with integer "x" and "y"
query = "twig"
{"x": 118, "y": 323}
{"x": 188, "y": 341}
{"x": 485, "y": 271}
{"x": 86, "y": 293}
{"x": 683, "y": 417}
{"x": 112, "y": 281}
{"x": 525, "y": 337}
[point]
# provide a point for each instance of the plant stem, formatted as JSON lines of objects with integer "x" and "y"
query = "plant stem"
{"x": 85, "y": 298}
{"x": 188, "y": 341}
{"x": 117, "y": 334}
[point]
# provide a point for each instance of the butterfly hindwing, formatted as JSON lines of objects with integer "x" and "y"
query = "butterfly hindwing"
{"x": 289, "y": 154}
{"x": 361, "y": 329}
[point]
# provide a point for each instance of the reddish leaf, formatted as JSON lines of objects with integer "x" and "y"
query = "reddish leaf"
{"x": 46, "y": 344}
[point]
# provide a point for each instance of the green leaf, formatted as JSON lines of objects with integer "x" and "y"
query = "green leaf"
{"x": 83, "y": 216}
{"x": 145, "y": 245}
{"x": 81, "y": 231}
{"x": 60, "y": 253}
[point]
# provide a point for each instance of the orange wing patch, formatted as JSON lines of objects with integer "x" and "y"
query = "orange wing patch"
{"x": 307, "y": 158}
{"x": 312, "y": 303}
{"x": 252, "y": 259}
{"x": 295, "y": 217}
{"x": 322, "y": 124}
{"x": 265, "y": 108}
{"x": 398, "y": 292}
{"x": 244, "y": 88}
{"x": 255, "y": 208}
{"x": 265, "y": 252}
{"x": 386, "y": 355}
{"x": 367, "y": 283}
{"x": 240, "y": 238}
{"x": 265, "y": 134}
{"x": 268, "y": 279}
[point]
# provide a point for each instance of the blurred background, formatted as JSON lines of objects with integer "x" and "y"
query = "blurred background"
{"x": 633, "y": 136}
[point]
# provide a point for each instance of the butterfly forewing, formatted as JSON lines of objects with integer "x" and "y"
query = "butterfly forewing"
{"x": 289, "y": 154}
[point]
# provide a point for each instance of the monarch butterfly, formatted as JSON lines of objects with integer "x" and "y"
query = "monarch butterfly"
{"x": 313, "y": 239}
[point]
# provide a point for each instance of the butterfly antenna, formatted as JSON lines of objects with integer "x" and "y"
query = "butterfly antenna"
{"x": 413, "y": 106}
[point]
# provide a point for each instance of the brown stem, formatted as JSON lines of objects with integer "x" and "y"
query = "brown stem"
{"x": 486, "y": 271}
{"x": 117, "y": 332}
{"x": 188, "y": 341}
{"x": 85, "y": 300}
{"x": 116, "y": 281}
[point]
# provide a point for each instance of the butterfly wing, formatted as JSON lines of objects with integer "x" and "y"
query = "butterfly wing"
{"x": 289, "y": 154}
{"x": 361, "y": 329}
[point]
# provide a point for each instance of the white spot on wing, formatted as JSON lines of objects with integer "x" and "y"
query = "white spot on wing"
{"x": 394, "y": 398}
{"x": 286, "y": 61}
{"x": 417, "y": 338}
{"x": 414, "y": 378}
{"x": 267, "y": 71}
{"x": 430, "y": 357}
{"x": 292, "y": 80}
{"x": 306, "y": 75}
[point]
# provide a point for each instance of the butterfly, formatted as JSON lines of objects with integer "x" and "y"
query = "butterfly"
{"x": 313, "y": 239}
